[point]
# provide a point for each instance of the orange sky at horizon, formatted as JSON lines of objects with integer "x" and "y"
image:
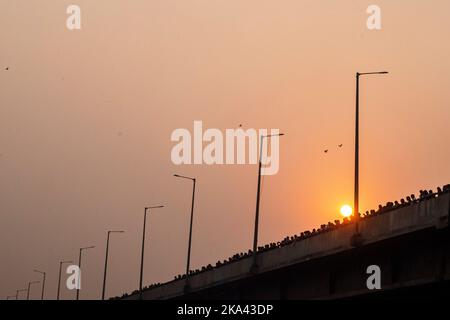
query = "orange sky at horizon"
{"x": 86, "y": 118}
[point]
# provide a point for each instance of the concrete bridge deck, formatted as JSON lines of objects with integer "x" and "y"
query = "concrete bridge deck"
{"x": 410, "y": 244}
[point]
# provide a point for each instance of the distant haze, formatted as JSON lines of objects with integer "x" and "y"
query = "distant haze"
{"x": 86, "y": 118}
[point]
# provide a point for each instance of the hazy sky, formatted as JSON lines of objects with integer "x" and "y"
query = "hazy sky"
{"x": 86, "y": 118}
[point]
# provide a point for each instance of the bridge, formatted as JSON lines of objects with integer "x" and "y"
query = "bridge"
{"x": 407, "y": 240}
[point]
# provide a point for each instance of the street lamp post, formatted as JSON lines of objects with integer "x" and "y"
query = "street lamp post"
{"x": 143, "y": 247}
{"x": 190, "y": 226}
{"x": 357, "y": 237}
{"x": 28, "y": 290}
{"x": 106, "y": 262}
{"x": 258, "y": 193}
{"x": 59, "y": 276}
{"x": 18, "y": 291}
{"x": 43, "y": 282}
{"x": 79, "y": 266}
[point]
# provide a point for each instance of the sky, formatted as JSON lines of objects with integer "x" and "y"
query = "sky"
{"x": 86, "y": 118}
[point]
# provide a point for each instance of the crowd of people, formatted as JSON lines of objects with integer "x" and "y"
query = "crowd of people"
{"x": 389, "y": 206}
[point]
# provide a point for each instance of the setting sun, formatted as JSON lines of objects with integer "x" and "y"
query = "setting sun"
{"x": 346, "y": 210}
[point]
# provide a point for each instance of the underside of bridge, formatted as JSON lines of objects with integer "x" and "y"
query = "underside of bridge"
{"x": 412, "y": 266}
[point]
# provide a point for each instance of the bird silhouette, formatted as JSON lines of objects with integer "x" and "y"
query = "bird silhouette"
{"x": 325, "y": 150}
{"x": 7, "y": 68}
{"x": 340, "y": 145}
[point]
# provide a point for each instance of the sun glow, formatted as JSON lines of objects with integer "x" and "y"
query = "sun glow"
{"x": 346, "y": 210}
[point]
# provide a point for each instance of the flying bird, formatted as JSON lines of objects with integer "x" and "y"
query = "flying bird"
{"x": 7, "y": 68}
{"x": 325, "y": 150}
{"x": 340, "y": 145}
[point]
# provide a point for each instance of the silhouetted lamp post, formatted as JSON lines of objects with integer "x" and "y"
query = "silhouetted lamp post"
{"x": 59, "y": 276}
{"x": 28, "y": 290}
{"x": 255, "y": 235}
{"x": 18, "y": 291}
{"x": 106, "y": 262}
{"x": 190, "y": 225}
{"x": 143, "y": 246}
{"x": 79, "y": 266}
{"x": 356, "y": 186}
{"x": 43, "y": 282}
